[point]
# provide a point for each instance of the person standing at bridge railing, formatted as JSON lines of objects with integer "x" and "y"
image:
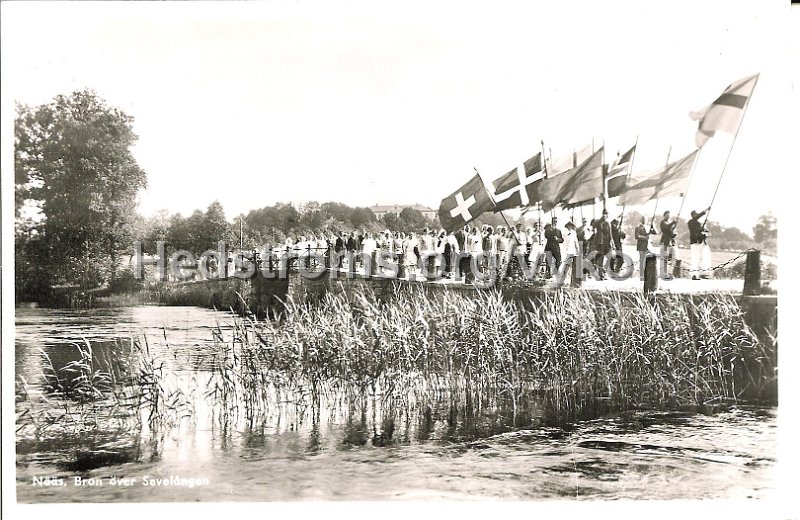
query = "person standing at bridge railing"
{"x": 642, "y": 236}
{"x": 474, "y": 250}
{"x": 571, "y": 258}
{"x": 701, "y": 253}
{"x": 462, "y": 238}
{"x": 339, "y": 248}
{"x": 451, "y": 252}
{"x": 617, "y": 236}
{"x": 603, "y": 243}
{"x": 411, "y": 253}
{"x": 667, "y": 244}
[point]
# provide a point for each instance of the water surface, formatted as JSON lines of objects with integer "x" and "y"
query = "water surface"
{"x": 367, "y": 452}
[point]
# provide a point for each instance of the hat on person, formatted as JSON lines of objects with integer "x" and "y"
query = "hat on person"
{"x": 694, "y": 214}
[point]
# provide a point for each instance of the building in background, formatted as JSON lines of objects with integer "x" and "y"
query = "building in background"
{"x": 380, "y": 211}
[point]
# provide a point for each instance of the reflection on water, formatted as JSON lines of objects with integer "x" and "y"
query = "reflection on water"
{"x": 368, "y": 449}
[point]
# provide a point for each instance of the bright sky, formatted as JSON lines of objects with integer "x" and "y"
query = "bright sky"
{"x": 255, "y": 103}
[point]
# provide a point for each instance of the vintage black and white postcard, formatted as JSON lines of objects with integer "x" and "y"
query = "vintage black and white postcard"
{"x": 388, "y": 255}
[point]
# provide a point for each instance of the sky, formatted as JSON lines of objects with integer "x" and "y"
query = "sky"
{"x": 255, "y": 103}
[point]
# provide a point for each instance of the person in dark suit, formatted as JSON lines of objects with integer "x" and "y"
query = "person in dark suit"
{"x": 352, "y": 245}
{"x": 642, "y": 236}
{"x": 603, "y": 243}
{"x": 617, "y": 235}
{"x": 338, "y": 248}
{"x": 461, "y": 237}
{"x": 667, "y": 244}
{"x": 701, "y": 253}
{"x": 553, "y": 239}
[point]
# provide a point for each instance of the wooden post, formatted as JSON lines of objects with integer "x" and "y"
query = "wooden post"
{"x": 752, "y": 273}
{"x": 650, "y": 274}
{"x": 351, "y": 264}
{"x": 401, "y": 266}
{"x": 373, "y": 265}
{"x": 331, "y": 264}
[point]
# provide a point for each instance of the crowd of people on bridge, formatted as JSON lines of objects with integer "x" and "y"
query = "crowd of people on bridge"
{"x": 437, "y": 253}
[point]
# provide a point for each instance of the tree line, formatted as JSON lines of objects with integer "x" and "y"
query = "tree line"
{"x": 270, "y": 225}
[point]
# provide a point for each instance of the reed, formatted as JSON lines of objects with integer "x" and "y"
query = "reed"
{"x": 561, "y": 356}
{"x": 103, "y": 391}
{"x": 569, "y": 350}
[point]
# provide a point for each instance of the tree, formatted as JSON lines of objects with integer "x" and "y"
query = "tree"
{"x": 337, "y": 211}
{"x": 392, "y": 222}
{"x": 213, "y": 228}
{"x": 361, "y": 216}
{"x": 766, "y": 228}
{"x": 73, "y": 158}
{"x": 413, "y": 219}
{"x": 311, "y": 215}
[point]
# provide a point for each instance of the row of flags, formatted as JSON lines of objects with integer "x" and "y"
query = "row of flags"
{"x": 583, "y": 176}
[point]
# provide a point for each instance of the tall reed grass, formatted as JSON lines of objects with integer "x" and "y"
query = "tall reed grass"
{"x": 569, "y": 350}
{"x": 569, "y": 354}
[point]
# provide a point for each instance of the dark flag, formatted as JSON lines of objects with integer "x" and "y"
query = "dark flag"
{"x": 519, "y": 187}
{"x": 465, "y": 204}
{"x": 581, "y": 183}
{"x": 618, "y": 174}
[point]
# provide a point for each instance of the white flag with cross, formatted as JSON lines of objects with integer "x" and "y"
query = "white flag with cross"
{"x": 465, "y": 204}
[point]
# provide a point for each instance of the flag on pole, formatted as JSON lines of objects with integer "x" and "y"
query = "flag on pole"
{"x": 465, "y": 204}
{"x": 664, "y": 182}
{"x": 618, "y": 174}
{"x": 551, "y": 188}
{"x": 569, "y": 161}
{"x": 581, "y": 183}
{"x": 585, "y": 181}
{"x": 725, "y": 113}
{"x": 578, "y": 156}
{"x": 519, "y": 187}
{"x": 560, "y": 164}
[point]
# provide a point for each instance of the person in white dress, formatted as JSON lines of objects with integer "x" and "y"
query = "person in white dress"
{"x": 536, "y": 247}
{"x": 410, "y": 249}
{"x": 503, "y": 246}
{"x": 571, "y": 250}
{"x": 369, "y": 246}
{"x": 475, "y": 250}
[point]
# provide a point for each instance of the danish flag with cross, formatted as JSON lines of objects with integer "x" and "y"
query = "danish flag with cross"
{"x": 465, "y": 204}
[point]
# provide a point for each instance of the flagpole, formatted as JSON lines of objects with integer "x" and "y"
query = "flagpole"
{"x": 491, "y": 196}
{"x": 604, "y": 171}
{"x": 744, "y": 111}
{"x": 630, "y": 170}
{"x": 688, "y": 182}
{"x": 655, "y": 208}
{"x": 551, "y": 164}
